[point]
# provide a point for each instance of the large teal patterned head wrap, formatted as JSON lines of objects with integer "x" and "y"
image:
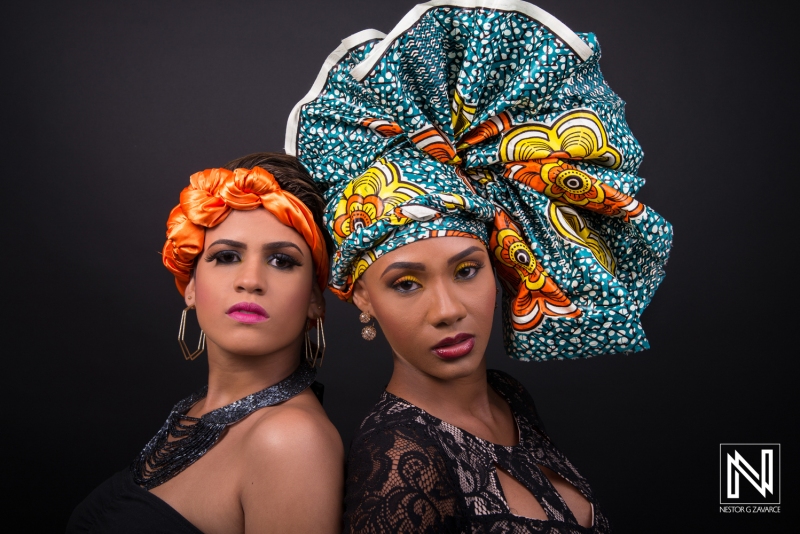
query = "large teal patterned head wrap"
{"x": 490, "y": 119}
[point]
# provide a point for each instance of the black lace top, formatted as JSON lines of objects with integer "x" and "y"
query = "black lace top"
{"x": 411, "y": 472}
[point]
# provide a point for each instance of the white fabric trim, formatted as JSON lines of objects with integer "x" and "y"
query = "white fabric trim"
{"x": 583, "y": 50}
{"x": 347, "y": 44}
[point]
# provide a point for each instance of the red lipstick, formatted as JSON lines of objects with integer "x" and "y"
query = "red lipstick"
{"x": 451, "y": 348}
{"x": 247, "y": 313}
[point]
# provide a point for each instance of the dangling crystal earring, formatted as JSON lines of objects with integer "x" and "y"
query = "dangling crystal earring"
{"x": 201, "y": 345}
{"x": 368, "y": 332}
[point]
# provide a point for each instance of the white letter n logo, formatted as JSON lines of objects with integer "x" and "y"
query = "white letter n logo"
{"x": 741, "y": 466}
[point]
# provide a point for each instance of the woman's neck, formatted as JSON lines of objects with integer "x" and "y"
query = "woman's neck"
{"x": 465, "y": 402}
{"x": 234, "y": 376}
{"x": 459, "y": 396}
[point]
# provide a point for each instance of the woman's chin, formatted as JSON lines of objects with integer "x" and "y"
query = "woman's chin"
{"x": 247, "y": 348}
{"x": 454, "y": 369}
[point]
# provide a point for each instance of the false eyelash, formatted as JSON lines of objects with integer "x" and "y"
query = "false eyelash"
{"x": 217, "y": 255}
{"x": 291, "y": 260}
{"x": 475, "y": 264}
{"x": 407, "y": 278}
{"x": 469, "y": 263}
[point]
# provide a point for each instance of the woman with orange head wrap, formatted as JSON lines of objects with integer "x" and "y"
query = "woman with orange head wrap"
{"x": 249, "y": 451}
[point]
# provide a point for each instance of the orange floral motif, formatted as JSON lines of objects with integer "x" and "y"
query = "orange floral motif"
{"x": 559, "y": 180}
{"x": 538, "y": 296}
{"x": 486, "y": 130}
{"x": 431, "y": 141}
{"x": 382, "y": 127}
{"x": 372, "y": 196}
{"x": 538, "y": 154}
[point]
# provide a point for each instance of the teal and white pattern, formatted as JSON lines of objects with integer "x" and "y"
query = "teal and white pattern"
{"x": 490, "y": 119}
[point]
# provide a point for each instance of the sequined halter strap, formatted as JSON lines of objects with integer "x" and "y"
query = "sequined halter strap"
{"x": 183, "y": 439}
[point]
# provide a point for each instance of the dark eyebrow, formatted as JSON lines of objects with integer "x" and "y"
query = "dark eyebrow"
{"x": 463, "y": 254}
{"x": 403, "y": 265}
{"x": 266, "y": 248}
{"x": 279, "y": 245}
{"x": 421, "y": 266}
{"x": 229, "y": 242}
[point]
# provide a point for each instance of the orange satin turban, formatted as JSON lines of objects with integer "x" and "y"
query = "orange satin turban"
{"x": 208, "y": 200}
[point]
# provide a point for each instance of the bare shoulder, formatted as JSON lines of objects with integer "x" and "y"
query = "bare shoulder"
{"x": 295, "y": 428}
{"x": 292, "y": 455}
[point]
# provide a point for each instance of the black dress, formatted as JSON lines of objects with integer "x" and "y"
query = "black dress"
{"x": 118, "y": 505}
{"x": 411, "y": 472}
{"x": 123, "y": 505}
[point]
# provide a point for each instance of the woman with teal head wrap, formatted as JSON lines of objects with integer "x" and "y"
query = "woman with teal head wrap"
{"x": 477, "y": 121}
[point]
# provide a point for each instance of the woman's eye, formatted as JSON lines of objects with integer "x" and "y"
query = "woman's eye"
{"x": 467, "y": 270}
{"x": 406, "y": 284}
{"x": 226, "y": 256}
{"x": 283, "y": 261}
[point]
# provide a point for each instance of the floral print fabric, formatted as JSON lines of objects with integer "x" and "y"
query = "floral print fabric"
{"x": 493, "y": 122}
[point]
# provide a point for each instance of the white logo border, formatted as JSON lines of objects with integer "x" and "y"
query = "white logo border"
{"x": 750, "y": 503}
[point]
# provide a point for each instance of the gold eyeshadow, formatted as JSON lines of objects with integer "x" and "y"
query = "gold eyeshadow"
{"x": 406, "y": 278}
{"x": 467, "y": 264}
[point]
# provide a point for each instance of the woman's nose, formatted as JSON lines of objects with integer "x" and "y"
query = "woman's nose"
{"x": 250, "y": 277}
{"x": 446, "y": 307}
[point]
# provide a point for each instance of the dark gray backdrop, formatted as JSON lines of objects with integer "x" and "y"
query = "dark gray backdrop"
{"x": 109, "y": 107}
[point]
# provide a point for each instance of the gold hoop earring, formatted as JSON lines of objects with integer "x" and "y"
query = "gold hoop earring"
{"x": 201, "y": 344}
{"x": 368, "y": 332}
{"x": 320, "y": 342}
{"x": 319, "y": 352}
{"x": 307, "y": 344}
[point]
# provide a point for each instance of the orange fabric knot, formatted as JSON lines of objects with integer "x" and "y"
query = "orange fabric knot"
{"x": 208, "y": 200}
{"x": 200, "y": 201}
{"x": 245, "y": 190}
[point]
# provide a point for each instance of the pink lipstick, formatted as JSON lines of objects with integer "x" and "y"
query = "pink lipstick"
{"x": 247, "y": 313}
{"x": 451, "y": 348}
